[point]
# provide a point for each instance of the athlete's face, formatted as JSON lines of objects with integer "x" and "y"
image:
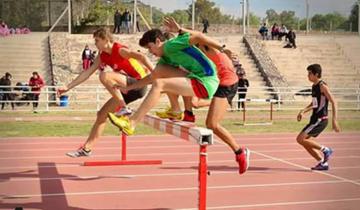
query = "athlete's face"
{"x": 100, "y": 43}
{"x": 155, "y": 48}
{"x": 312, "y": 77}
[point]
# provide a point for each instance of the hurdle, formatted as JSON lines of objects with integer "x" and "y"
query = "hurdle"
{"x": 123, "y": 160}
{"x": 189, "y": 131}
{"x": 271, "y": 110}
{"x": 184, "y": 130}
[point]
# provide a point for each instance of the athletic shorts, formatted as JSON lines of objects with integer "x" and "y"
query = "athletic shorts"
{"x": 315, "y": 128}
{"x": 199, "y": 89}
{"x": 135, "y": 94}
{"x": 227, "y": 92}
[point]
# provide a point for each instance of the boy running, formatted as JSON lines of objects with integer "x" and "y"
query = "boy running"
{"x": 319, "y": 119}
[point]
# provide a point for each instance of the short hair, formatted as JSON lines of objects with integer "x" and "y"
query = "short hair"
{"x": 315, "y": 69}
{"x": 7, "y": 74}
{"x": 35, "y": 73}
{"x": 151, "y": 36}
{"x": 103, "y": 33}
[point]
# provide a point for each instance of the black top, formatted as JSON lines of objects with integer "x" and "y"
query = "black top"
{"x": 5, "y": 82}
{"x": 243, "y": 84}
{"x": 319, "y": 102}
{"x": 117, "y": 18}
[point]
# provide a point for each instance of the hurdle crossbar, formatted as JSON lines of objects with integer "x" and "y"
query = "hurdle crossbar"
{"x": 271, "y": 109}
{"x": 189, "y": 131}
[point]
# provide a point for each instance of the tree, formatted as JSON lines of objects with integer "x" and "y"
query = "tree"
{"x": 181, "y": 16}
{"x": 354, "y": 17}
{"x": 17, "y": 13}
{"x": 207, "y": 9}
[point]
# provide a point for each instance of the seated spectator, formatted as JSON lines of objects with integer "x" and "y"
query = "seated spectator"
{"x": 291, "y": 37}
{"x": 283, "y": 32}
{"x": 4, "y": 91}
{"x": 274, "y": 31}
{"x": 36, "y": 83}
{"x": 264, "y": 31}
{"x": 4, "y": 30}
{"x": 86, "y": 58}
{"x": 22, "y": 93}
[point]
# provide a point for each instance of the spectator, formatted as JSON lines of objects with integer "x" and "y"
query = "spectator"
{"x": 4, "y": 31}
{"x": 264, "y": 31}
{"x": 292, "y": 37}
{"x": 137, "y": 23}
{"x": 86, "y": 58}
{"x": 36, "y": 83}
{"x": 92, "y": 57}
{"x": 117, "y": 22}
{"x": 243, "y": 85}
{"x": 283, "y": 32}
{"x": 274, "y": 31}
{"x": 206, "y": 25}
{"x": 6, "y": 81}
{"x": 127, "y": 20}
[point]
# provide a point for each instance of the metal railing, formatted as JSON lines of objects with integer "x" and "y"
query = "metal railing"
{"x": 91, "y": 98}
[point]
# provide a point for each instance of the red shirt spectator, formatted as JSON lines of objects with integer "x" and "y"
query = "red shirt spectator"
{"x": 36, "y": 83}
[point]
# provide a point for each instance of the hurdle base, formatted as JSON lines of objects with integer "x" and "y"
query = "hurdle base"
{"x": 123, "y": 162}
{"x": 254, "y": 124}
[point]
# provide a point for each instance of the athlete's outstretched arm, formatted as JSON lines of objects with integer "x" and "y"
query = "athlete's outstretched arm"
{"x": 326, "y": 91}
{"x": 83, "y": 76}
{"x": 196, "y": 36}
{"x": 127, "y": 53}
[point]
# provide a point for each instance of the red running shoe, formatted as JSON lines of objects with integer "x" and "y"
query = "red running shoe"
{"x": 188, "y": 116}
{"x": 243, "y": 159}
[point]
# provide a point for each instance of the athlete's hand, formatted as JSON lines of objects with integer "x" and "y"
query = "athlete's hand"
{"x": 229, "y": 53}
{"x": 335, "y": 126}
{"x": 61, "y": 91}
{"x": 299, "y": 116}
{"x": 171, "y": 24}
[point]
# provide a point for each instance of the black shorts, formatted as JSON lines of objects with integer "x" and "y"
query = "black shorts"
{"x": 135, "y": 94}
{"x": 228, "y": 92}
{"x": 315, "y": 128}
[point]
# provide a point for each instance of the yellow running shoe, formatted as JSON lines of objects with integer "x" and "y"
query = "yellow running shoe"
{"x": 123, "y": 123}
{"x": 170, "y": 114}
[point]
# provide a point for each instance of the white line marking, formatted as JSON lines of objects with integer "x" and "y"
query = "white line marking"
{"x": 303, "y": 167}
{"x": 174, "y": 189}
{"x": 279, "y": 204}
{"x": 226, "y": 151}
{"x": 5, "y": 168}
{"x": 159, "y": 147}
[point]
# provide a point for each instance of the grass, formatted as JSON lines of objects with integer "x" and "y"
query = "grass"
{"x": 80, "y": 128}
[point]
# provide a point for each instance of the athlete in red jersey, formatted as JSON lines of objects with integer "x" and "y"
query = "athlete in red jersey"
{"x": 128, "y": 67}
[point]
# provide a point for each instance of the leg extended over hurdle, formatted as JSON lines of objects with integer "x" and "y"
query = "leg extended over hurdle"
{"x": 184, "y": 130}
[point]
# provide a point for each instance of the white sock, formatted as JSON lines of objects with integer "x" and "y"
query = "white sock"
{"x": 323, "y": 148}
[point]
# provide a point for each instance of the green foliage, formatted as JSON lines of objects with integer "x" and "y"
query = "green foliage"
{"x": 31, "y": 13}
{"x": 287, "y": 18}
{"x": 331, "y": 21}
{"x": 354, "y": 17}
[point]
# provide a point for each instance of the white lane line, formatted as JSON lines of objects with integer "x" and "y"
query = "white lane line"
{"x": 109, "y": 176}
{"x": 71, "y": 139}
{"x": 225, "y": 151}
{"x": 306, "y": 168}
{"x": 173, "y": 189}
{"x": 279, "y": 204}
{"x": 160, "y": 147}
{"x": 70, "y": 165}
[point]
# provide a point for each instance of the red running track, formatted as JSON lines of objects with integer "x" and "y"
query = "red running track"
{"x": 35, "y": 174}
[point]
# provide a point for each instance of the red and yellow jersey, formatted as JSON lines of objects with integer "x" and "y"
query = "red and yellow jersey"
{"x": 130, "y": 66}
